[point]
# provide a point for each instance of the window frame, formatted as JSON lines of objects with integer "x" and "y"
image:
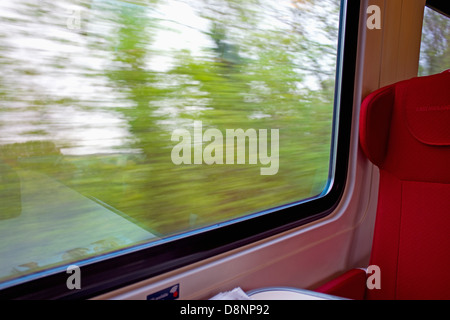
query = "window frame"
{"x": 112, "y": 271}
{"x": 441, "y": 6}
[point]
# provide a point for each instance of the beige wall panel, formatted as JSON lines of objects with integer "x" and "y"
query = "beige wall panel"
{"x": 372, "y": 54}
{"x": 392, "y": 53}
{"x": 410, "y": 38}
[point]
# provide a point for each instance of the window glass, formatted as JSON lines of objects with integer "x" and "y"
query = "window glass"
{"x": 128, "y": 122}
{"x": 435, "y": 47}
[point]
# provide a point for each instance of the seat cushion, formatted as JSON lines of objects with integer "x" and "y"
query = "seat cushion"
{"x": 350, "y": 285}
{"x": 412, "y": 240}
{"x": 405, "y": 131}
{"x": 405, "y": 128}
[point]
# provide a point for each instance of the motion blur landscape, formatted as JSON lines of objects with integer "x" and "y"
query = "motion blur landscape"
{"x": 91, "y": 91}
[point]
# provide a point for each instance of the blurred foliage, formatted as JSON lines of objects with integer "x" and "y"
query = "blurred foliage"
{"x": 94, "y": 108}
{"x": 435, "y": 47}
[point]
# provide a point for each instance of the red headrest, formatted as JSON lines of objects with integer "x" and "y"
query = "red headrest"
{"x": 405, "y": 128}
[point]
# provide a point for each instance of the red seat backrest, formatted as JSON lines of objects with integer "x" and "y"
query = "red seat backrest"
{"x": 405, "y": 131}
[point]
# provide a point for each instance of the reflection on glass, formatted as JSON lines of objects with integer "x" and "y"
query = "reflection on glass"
{"x": 91, "y": 92}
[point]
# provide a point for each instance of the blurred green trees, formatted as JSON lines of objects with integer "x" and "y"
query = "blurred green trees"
{"x": 249, "y": 64}
{"x": 435, "y": 46}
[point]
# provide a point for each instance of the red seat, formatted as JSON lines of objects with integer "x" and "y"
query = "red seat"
{"x": 405, "y": 132}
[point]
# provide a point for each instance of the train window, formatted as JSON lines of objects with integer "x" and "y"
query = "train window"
{"x": 435, "y": 47}
{"x": 163, "y": 130}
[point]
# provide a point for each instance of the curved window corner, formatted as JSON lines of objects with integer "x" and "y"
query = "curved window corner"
{"x": 138, "y": 137}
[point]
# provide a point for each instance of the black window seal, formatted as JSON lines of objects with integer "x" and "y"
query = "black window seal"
{"x": 116, "y": 272}
{"x": 441, "y": 6}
